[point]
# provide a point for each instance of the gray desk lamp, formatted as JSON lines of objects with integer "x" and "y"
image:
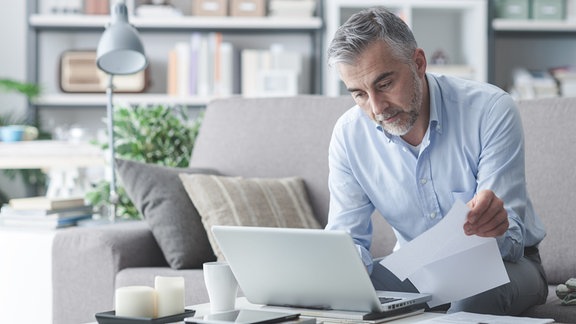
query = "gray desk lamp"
{"x": 119, "y": 52}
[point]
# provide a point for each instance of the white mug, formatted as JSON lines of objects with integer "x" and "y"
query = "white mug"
{"x": 221, "y": 285}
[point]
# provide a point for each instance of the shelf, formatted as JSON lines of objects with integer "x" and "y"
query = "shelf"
{"x": 50, "y": 35}
{"x": 50, "y": 154}
{"x": 457, "y": 28}
{"x": 95, "y": 100}
{"x": 533, "y": 25}
{"x": 186, "y": 22}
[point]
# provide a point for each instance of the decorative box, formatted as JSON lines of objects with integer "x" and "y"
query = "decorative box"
{"x": 548, "y": 9}
{"x": 96, "y": 7}
{"x": 512, "y": 9}
{"x": 210, "y": 8}
{"x": 248, "y": 8}
{"x": 78, "y": 73}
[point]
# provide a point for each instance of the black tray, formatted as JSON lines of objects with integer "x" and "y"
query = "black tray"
{"x": 111, "y": 318}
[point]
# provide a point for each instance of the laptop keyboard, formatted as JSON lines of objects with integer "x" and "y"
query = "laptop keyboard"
{"x": 385, "y": 300}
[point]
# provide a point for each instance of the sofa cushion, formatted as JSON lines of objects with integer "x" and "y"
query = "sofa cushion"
{"x": 159, "y": 196}
{"x": 550, "y": 180}
{"x": 283, "y": 137}
{"x": 279, "y": 202}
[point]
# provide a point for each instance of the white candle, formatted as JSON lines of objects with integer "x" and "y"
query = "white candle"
{"x": 135, "y": 301}
{"x": 170, "y": 295}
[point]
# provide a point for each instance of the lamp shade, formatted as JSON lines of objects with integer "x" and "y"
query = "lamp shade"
{"x": 120, "y": 50}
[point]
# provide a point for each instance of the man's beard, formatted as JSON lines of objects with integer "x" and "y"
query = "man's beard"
{"x": 401, "y": 127}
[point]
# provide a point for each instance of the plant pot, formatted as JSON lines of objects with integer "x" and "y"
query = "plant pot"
{"x": 12, "y": 133}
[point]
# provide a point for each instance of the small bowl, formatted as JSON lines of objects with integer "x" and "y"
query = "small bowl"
{"x": 12, "y": 133}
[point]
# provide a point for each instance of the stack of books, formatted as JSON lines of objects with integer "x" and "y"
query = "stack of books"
{"x": 44, "y": 212}
{"x": 533, "y": 84}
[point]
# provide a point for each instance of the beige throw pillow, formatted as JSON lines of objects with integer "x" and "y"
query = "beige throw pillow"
{"x": 240, "y": 201}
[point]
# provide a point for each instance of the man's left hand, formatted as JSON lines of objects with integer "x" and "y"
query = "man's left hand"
{"x": 487, "y": 216}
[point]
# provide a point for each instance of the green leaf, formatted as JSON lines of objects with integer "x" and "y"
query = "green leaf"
{"x": 156, "y": 134}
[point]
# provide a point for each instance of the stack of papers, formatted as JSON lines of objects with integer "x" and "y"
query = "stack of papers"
{"x": 464, "y": 317}
{"x": 447, "y": 263}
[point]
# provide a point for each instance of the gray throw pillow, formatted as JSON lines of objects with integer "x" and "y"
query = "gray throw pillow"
{"x": 159, "y": 196}
{"x": 269, "y": 202}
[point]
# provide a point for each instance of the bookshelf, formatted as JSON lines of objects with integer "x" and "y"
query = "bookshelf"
{"x": 534, "y": 44}
{"x": 458, "y": 28}
{"x": 49, "y": 35}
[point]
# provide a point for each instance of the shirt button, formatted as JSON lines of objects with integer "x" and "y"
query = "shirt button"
{"x": 433, "y": 215}
{"x": 423, "y": 181}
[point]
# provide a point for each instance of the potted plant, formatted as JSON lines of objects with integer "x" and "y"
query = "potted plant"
{"x": 156, "y": 134}
{"x": 13, "y": 121}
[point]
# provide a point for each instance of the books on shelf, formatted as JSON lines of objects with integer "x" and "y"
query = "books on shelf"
{"x": 203, "y": 66}
{"x": 206, "y": 65}
{"x": 533, "y": 84}
{"x": 47, "y": 203}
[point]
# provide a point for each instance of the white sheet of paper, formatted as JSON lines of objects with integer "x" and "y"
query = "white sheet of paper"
{"x": 467, "y": 318}
{"x": 447, "y": 263}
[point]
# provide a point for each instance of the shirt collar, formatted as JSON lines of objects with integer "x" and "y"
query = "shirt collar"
{"x": 435, "y": 104}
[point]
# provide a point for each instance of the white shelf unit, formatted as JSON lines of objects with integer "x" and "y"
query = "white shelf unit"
{"x": 184, "y": 22}
{"x": 457, "y": 27}
{"x": 511, "y": 25}
{"x": 530, "y": 43}
{"x": 50, "y": 35}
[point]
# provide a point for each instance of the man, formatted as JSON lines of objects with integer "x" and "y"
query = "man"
{"x": 417, "y": 142}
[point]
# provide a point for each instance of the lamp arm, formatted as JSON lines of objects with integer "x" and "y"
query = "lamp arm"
{"x": 111, "y": 149}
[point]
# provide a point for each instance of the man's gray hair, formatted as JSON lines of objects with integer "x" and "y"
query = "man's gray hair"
{"x": 366, "y": 27}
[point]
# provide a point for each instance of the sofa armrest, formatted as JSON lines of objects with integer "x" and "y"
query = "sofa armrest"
{"x": 85, "y": 261}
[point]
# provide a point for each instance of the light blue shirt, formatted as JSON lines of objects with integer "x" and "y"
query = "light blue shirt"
{"x": 474, "y": 142}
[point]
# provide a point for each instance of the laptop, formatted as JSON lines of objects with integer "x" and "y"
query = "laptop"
{"x": 308, "y": 269}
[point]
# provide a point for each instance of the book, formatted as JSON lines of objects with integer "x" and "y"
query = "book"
{"x": 183, "y": 63}
{"x": 229, "y": 69}
{"x": 172, "y": 73}
{"x": 205, "y": 66}
{"x": 7, "y": 211}
{"x": 48, "y": 222}
{"x": 195, "y": 44}
{"x": 43, "y": 202}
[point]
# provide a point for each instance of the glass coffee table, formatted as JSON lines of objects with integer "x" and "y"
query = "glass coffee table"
{"x": 242, "y": 303}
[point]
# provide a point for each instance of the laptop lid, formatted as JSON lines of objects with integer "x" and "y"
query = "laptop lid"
{"x": 309, "y": 268}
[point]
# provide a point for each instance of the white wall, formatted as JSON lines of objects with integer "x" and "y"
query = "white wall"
{"x": 12, "y": 65}
{"x": 13, "y": 55}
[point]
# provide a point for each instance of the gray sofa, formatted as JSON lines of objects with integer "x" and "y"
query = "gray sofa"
{"x": 270, "y": 137}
